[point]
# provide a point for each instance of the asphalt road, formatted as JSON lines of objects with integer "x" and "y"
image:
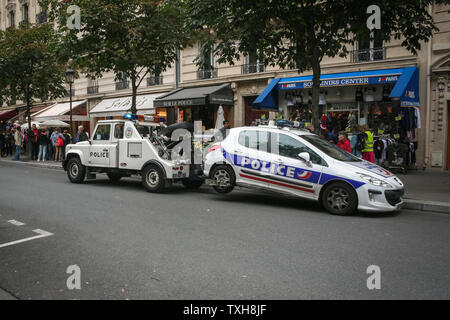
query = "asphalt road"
{"x": 130, "y": 244}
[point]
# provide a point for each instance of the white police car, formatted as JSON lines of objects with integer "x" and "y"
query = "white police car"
{"x": 299, "y": 163}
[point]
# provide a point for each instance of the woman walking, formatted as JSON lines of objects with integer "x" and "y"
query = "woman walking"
{"x": 59, "y": 145}
{"x": 43, "y": 141}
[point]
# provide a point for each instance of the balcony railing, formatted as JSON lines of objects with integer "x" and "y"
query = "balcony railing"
{"x": 154, "y": 81}
{"x": 92, "y": 89}
{"x": 41, "y": 17}
{"x": 373, "y": 54}
{"x": 122, "y": 85}
{"x": 207, "y": 74}
{"x": 253, "y": 68}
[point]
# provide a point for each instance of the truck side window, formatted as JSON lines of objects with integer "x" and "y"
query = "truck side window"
{"x": 103, "y": 132}
{"x": 118, "y": 131}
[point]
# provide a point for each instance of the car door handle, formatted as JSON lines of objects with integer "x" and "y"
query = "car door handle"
{"x": 279, "y": 161}
{"x": 238, "y": 151}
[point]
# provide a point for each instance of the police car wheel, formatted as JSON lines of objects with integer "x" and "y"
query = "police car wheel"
{"x": 224, "y": 178}
{"x": 153, "y": 179}
{"x": 75, "y": 170}
{"x": 340, "y": 199}
{"x": 191, "y": 183}
{"x": 114, "y": 177}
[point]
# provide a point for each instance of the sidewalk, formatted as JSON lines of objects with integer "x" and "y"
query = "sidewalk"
{"x": 427, "y": 190}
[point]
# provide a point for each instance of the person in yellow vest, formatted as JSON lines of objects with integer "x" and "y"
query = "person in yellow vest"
{"x": 367, "y": 152}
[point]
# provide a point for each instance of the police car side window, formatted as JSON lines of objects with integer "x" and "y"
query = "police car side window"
{"x": 118, "y": 131}
{"x": 103, "y": 132}
{"x": 289, "y": 147}
{"x": 253, "y": 139}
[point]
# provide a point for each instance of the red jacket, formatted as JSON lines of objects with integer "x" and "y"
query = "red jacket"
{"x": 345, "y": 145}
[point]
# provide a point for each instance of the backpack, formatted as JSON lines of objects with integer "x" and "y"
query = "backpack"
{"x": 360, "y": 143}
{"x": 59, "y": 142}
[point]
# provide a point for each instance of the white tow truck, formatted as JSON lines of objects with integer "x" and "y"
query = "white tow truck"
{"x": 122, "y": 148}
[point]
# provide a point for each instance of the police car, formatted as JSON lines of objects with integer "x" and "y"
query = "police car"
{"x": 296, "y": 162}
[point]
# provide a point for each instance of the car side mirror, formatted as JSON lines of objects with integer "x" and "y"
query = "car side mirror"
{"x": 305, "y": 157}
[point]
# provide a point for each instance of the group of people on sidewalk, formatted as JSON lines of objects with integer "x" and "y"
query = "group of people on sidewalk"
{"x": 360, "y": 145}
{"x": 46, "y": 144}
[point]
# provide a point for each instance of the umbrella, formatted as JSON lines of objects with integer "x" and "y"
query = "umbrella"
{"x": 220, "y": 118}
{"x": 25, "y": 125}
{"x": 54, "y": 124}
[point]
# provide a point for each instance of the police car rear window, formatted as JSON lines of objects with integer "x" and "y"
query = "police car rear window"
{"x": 253, "y": 139}
{"x": 330, "y": 149}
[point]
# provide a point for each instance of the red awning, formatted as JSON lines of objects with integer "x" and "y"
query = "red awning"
{"x": 8, "y": 114}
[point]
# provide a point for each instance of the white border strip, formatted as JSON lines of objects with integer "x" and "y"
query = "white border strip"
{"x": 42, "y": 234}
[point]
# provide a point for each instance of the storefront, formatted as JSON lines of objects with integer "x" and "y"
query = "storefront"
{"x": 116, "y": 108}
{"x": 195, "y": 104}
{"x": 384, "y": 100}
{"x": 5, "y": 117}
{"x": 22, "y": 116}
{"x": 61, "y": 111}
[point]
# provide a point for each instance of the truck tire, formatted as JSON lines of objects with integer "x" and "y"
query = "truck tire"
{"x": 339, "y": 198}
{"x": 114, "y": 177}
{"x": 192, "y": 184}
{"x": 75, "y": 170}
{"x": 153, "y": 178}
{"x": 224, "y": 177}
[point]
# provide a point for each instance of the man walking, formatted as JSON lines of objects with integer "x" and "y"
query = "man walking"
{"x": 18, "y": 142}
{"x": 34, "y": 136}
{"x": 82, "y": 135}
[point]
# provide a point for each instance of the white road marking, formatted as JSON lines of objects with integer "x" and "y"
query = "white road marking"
{"x": 16, "y": 223}
{"x": 42, "y": 234}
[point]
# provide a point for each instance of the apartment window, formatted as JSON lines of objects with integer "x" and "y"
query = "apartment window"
{"x": 41, "y": 17}
{"x": 253, "y": 64}
{"x": 122, "y": 83}
{"x": 25, "y": 17}
{"x": 154, "y": 80}
{"x": 369, "y": 48}
{"x": 207, "y": 68}
{"x": 92, "y": 87}
{"x": 12, "y": 19}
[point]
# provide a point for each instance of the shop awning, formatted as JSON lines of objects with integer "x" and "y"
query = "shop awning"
{"x": 120, "y": 106}
{"x": 220, "y": 94}
{"x": 268, "y": 99}
{"x": 60, "y": 111}
{"x": 407, "y": 88}
{"x": 7, "y": 114}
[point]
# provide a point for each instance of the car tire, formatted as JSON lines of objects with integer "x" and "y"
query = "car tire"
{"x": 223, "y": 174}
{"x": 114, "y": 177}
{"x": 153, "y": 179}
{"x": 192, "y": 184}
{"x": 76, "y": 171}
{"x": 339, "y": 198}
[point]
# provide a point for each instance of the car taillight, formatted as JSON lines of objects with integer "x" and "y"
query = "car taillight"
{"x": 213, "y": 148}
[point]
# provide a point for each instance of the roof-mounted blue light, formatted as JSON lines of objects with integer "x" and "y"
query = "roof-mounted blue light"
{"x": 290, "y": 124}
{"x": 130, "y": 116}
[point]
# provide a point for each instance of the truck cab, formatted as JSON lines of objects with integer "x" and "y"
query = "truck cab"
{"x": 122, "y": 148}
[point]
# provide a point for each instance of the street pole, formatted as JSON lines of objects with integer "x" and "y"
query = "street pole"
{"x": 71, "y": 124}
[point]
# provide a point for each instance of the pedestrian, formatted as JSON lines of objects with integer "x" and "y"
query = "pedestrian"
{"x": 34, "y": 135}
{"x": 59, "y": 145}
{"x": 357, "y": 141}
{"x": 82, "y": 135}
{"x": 332, "y": 137}
{"x": 67, "y": 141}
{"x": 18, "y": 143}
{"x": 343, "y": 142}
{"x": 2, "y": 143}
{"x": 43, "y": 141}
{"x": 367, "y": 152}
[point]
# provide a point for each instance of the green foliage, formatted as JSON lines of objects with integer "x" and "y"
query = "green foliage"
{"x": 132, "y": 37}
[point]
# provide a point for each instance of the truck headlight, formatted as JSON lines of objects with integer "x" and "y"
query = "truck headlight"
{"x": 375, "y": 181}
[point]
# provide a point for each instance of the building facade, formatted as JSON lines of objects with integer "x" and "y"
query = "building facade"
{"x": 247, "y": 79}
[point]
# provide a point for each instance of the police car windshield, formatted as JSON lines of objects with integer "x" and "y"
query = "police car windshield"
{"x": 330, "y": 149}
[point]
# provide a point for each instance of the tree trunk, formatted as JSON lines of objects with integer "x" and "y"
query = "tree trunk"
{"x": 29, "y": 142}
{"x": 133, "y": 109}
{"x": 316, "y": 112}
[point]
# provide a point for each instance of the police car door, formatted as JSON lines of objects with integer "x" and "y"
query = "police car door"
{"x": 99, "y": 154}
{"x": 292, "y": 174}
{"x": 250, "y": 157}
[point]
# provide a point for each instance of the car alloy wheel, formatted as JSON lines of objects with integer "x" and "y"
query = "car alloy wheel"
{"x": 338, "y": 199}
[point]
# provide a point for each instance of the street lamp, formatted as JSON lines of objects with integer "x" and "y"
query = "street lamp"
{"x": 69, "y": 79}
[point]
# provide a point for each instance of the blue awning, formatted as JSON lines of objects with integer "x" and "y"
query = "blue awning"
{"x": 268, "y": 99}
{"x": 407, "y": 88}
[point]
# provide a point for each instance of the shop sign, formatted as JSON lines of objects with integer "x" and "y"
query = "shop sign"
{"x": 180, "y": 103}
{"x": 336, "y": 107}
{"x": 357, "y": 81}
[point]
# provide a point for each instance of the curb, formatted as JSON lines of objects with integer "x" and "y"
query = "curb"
{"x": 35, "y": 164}
{"x": 427, "y": 206}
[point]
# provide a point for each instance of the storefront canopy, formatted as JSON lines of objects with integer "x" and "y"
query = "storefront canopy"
{"x": 405, "y": 79}
{"x": 120, "y": 106}
{"x": 220, "y": 94}
{"x": 8, "y": 114}
{"x": 60, "y": 111}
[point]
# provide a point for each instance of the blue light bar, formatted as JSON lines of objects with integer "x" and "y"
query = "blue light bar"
{"x": 130, "y": 116}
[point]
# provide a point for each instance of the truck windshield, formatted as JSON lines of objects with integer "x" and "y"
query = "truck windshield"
{"x": 330, "y": 149}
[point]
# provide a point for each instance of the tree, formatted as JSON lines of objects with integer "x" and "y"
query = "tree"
{"x": 132, "y": 38}
{"x": 29, "y": 67}
{"x": 300, "y": 33}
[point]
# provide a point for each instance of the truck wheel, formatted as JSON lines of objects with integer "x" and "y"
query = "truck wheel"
{"x": 75, "y": 170}
{"x": 114, "y": 177}
{"x": 340, "y": 199}
{"x": 153, "y": 178}
{"x": 224, "y": 178}
{"x": 192, "y": 184}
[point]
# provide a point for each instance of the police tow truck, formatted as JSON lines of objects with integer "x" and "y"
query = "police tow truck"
{"x": 283, "y": 159}
{"x": 122, "y": 148}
